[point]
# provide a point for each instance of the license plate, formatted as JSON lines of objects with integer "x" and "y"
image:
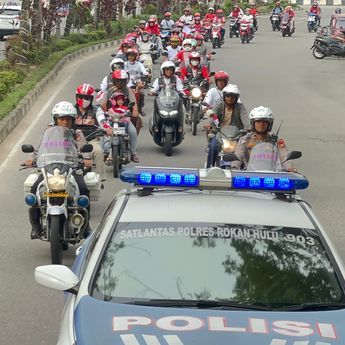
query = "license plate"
{"x": 119, "y": 130}
{"x": 311, "y": 19}
{"x": 56, "y": 194}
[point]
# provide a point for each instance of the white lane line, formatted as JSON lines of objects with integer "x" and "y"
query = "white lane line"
{"x": 33, "y": 124}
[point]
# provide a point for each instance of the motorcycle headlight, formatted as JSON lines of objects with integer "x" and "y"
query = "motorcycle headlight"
{"x": 228, "y": 146}
{"x": 56, "y": 182}
{"x": 196, "y": 92}
{"x": 164, "y": 113}
{"x": 174, "y": 112}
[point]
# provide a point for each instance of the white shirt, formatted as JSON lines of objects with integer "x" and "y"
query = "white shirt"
{"x": 213, "y": 96}
{"x": 134, "y": 70}
{"x": 172, "y": 52}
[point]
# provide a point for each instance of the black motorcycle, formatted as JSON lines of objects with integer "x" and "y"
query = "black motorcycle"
{"x": 234, "y": 27}
{"x": 323, "y": 47}
{"x": 285, "y": 25}
{"x": 166, "y": 125}
{"x": 275, "y": 21}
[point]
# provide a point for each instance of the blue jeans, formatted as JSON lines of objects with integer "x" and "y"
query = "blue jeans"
{"x": 213, "y": 150}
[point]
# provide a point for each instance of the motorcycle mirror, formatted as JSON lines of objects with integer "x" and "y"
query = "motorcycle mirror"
{"x": 213, "y": 53}
{"x": 230, "y": 157}
{"x": 205, "y": 104}
{"x": 86, "y": 148}
{"x": 112, "y": 55}
{"x": 293, "y": 155}
{"x": 212, "y": 74}
{"x": 97, "y": 90}
{"x": 165, "y": 53}
{"x": 27, "y": 148}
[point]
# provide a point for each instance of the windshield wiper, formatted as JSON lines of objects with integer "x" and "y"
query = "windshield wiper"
{"x": 200, "y": 304}
{"x": 311, "y": 306}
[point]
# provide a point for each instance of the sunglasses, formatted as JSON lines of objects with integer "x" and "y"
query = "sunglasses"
{"x": 84, "y": 96}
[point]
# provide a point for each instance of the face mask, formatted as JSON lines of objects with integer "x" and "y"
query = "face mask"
{"x": 194, "y": 62}
{"x": 83, "y": 103}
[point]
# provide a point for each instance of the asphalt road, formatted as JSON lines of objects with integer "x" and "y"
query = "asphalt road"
{"x": 281, "y": 73}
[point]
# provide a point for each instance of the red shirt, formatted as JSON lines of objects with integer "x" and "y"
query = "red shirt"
{"x": 219, "y": 20}
{"x": 210, "y": 17}
{"x": 253, "y": 12}
{"x": 291, "y": 13}
{"x": 153, "y": 29}
{"x": 316, "y": 10}
{"x": 204, "y": 72}
{"x": 235, "y": 14}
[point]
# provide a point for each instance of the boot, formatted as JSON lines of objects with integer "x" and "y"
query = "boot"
{"x": 34, "y": 217}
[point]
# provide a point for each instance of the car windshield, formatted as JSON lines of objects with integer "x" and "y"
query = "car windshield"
{"x": 57, "y": 146}
{"x": 233, "y": 263}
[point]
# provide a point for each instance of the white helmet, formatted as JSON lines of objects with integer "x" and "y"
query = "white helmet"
{"x": 261, "y": 113}
{"x": 63, "y": 109}
{"x": 116, "y": 61}
{"x": 211, "y": 9}
{"x": 187, "y": 41}
{"x": 167, "y": 64}
{"x": 231, "y": 90}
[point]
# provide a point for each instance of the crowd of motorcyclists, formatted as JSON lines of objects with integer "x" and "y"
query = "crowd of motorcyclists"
{"x": 181, "y": 48}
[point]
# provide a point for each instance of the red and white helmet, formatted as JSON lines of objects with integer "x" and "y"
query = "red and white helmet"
{"x": 221, "y": 75}
{"x": 132, "y": 51}
{"x": 84, "y": 95}
{"x": 119, "y": 74}
{"x": 194, "y": 58}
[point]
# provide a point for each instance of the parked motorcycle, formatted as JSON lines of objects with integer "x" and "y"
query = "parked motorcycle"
{"x": 166, "y": 127}
{"x": 312, "y": 23}
{"x": 246, "y": 32}
{"x": 275, "y": 21}
{"x": 216, "y": 36}
{"x": 324, "y": 47}
{"x": 64, "y": 214}
{"x": 285, "y": 25}
{"x": 234, "y": 27}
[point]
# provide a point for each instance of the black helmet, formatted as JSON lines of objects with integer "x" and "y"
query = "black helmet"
{"x": 338, "y": 10}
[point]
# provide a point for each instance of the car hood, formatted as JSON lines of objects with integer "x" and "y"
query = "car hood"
{"x": 105, "y": 323}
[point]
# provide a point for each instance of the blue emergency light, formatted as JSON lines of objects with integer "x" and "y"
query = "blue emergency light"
{"x": 214, "y": 178}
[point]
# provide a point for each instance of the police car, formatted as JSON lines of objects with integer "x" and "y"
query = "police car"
{"x": 204, "y": 257}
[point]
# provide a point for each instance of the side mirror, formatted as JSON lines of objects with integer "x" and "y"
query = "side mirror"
{"x": 205, "y": 104}
{"x": 112, "y": 55}
{"x": 27, "y": 148}
{"x": 165, "y": 53}
{"x": 293, "y": 155}
{"x": 86, "y": 148}
{"x": 230, "y": 157}
{"x": 213, "y": 53}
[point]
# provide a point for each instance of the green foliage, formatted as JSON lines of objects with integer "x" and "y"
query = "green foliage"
{"x": 8, "y": 79}
{"x": 149, "y": 9}
{"x": 77, "y": 38}
{"x": 60, "y": 44}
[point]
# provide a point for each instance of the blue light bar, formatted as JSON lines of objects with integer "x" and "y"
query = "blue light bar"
{"x": 270, "y": 181}
{"x": 161, "y": 177}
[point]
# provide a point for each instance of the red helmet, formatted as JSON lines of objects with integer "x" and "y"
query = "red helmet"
{"x": 194, "y": 56}
{"x": 132, "y": 51}
{"x": 219, "y": 11}
{"x": 197, "y": 15}
{"x": 84, "y": 92}
{"x": 119, "y": 74}
{"x": 221, "y": 75}
{"x": 127, "y": 43}
{"x": 199, "y": 37}
{"x": 167, "y": 14}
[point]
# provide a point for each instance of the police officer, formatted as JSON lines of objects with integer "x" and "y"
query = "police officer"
{"x": 261, "y": 122}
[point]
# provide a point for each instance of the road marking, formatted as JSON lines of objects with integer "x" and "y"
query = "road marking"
{"x": 33, "y": 124}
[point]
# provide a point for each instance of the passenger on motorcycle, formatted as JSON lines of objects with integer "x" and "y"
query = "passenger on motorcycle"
{"x": 168, "y": 78}
{"x": 277, "y": 10}
{"x": 196, "y": 72}
{"x": 173, "y": 48}
{"x": 220, "y": 19}
{"x": 107, "y": 81}
{"x": 87, "y": 121}
{"x": 210, "y": 15}
{"x": 236, "y": 12}
{"x": 142, "y": 25}
{"x": 120, "y": 80}
{"x": 63, "y": 114}
{"x": 187, "y": 16}
{"x": 261, "y": 122}
{"x": 167, "y": 23}
{"x": 316, "y": 9}
{"x": 125, "y": 45}
{"x": 229, "y": 112}
{"x": 183, "y": 55}
{"x": 291, "y": 13}
{"x": 215, "y": 95}
{"x": 254, "y": 12}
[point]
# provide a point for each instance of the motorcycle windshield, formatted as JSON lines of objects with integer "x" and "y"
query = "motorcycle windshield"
{"x": 230, "y": 132}
{"x": 57, "y": 146}
{"x": 264, "y": 157}
{"x": 285, "y": 18}
{"x": 168, "y": 98}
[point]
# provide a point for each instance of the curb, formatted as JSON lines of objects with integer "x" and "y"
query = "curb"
{"x": 8, "y": 123}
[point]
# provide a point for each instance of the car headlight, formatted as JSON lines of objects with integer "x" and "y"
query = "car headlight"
{"x": 56, "y": 182}
{"x": 228, "y": 146}
{"x": 196, "y": 92}
{"x": 164, "y": 113}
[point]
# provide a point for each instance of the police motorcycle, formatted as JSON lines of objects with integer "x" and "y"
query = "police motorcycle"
{"x": 285, "y": 25}
{"x": 275, "y": 21}
{"x": 167, "y": 126}
{"x": 325, "y": 46}
{"x": 119, "y": 141}
{"x": 234, "y": 26}
{"x": 312, "y": 23}
{"x": 64, "y": 212}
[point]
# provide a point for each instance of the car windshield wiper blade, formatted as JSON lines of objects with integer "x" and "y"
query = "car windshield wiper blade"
{"x": 311, "y": 306}
{"x": 200, "y": 304}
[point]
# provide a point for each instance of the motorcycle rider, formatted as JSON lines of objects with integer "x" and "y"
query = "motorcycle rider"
{"x": 167, "y": 23}
{"x": 125, "y": 45}
{"x": 107, "y": 81}
{"x": 197, "y": 24}
{"x": 249, "y": 19}
{"x": 215, "y": 94}
{"x": 153, "y": 29}
{"x": 120, "y": 80}
{"x": 183, "y": 55}
{"x": 168, "y": 78}
{"x": 229, "y": 112}
{"x": 210, "y": 15}
{"x": 144, "y": 44}
{"x": 278, "y": 10}
{"x": 291, "y": 13}
{"x": 254, "y": 12}
{"x": 261, "y": 122}
{"x": 142, "y": 25}
{"x": 187, "y": 16}
{"x": 220, "y": 19}
{"x": 173, "y": 48}
{"x": 236, "y": 12}
{"x": 316, "y": 9}
{"x": 86, "y": 121}
{"x": 63, "y": 114}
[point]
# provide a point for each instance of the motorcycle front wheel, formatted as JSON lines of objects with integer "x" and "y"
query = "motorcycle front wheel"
{"x": 116, "y": 161}
{"x": 318, "y": 54}
{"x": 195, "y": 116}
{"x": 56, "y": 224}
{"x": 168, "y": 144}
